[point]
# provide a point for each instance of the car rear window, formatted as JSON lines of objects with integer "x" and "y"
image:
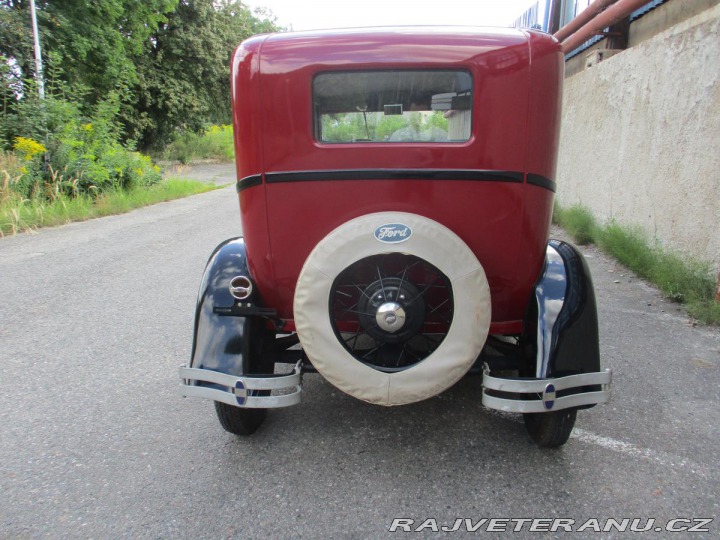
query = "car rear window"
{"x": 392, "y": 106}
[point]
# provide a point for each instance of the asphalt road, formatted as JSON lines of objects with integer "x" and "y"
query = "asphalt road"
{"x": 210, "y": 172}
{"x": 95, "y": 441}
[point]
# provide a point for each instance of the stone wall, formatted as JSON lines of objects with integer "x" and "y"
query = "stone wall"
{"x": 640, "y": 139}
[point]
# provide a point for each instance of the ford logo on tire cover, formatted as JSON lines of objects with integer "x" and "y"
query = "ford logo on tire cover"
{"x": 392, "y": 233}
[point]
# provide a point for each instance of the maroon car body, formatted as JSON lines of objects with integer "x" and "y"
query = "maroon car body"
{"x": 504, "y": 218}
{"x": 396, "y": 190}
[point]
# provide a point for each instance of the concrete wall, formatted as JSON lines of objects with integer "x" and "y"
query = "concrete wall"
{"x": 640, "y": 140}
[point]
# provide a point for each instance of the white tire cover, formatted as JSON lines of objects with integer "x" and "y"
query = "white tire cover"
{"x": 430, "y": 241}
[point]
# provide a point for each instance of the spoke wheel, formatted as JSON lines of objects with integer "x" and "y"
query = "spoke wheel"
{"x": 391, "y": 311}
{"x": 384, "y": 321}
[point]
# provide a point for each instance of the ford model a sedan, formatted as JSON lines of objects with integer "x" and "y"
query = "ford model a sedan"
{"x": 396, "y": 189}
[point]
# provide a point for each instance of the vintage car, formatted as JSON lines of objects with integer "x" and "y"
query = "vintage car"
{"x": 396, "y": 189}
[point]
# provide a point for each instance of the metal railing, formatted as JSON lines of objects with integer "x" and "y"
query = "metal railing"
{"x": 594, "y": 19}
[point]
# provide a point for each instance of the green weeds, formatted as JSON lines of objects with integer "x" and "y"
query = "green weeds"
{"x": 215, "y": 143}
{"x": 681, "y": 279}
{"x": 578, "y": 222}
{"x": 18, "y": 214}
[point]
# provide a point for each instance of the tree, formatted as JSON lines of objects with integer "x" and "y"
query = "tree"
{"x": 16, "y": 48}
{"x": 97, "y": 42}
{"x": 184, "y": 76}
{"x": 164, "y": 63}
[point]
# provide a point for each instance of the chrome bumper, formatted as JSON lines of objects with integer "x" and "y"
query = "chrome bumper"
{"x": 545, "y": 390}
{"x": 241, "y": 391}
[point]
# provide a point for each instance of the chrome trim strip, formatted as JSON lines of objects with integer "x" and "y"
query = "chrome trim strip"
{"x": 251, "y": 402}
{"x": 546, "y": 390}
{"x": 531, "y": 386}
{"x": 237, "y": 387}
{"x": 517, "y": 406}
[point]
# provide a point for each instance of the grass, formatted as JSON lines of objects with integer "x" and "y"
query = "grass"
{"x": 17, "y": 215}
{"x": 684, "y": 280}
{"x": 578, "y": 222}
{"x": 216, "y": 142}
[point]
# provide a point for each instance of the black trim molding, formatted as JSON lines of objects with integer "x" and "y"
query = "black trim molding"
{"x": 396, "y": 174}
{"x": 476, "y": 175}
{"x": 541, "y": 181}
{"x": 248, "y": 182}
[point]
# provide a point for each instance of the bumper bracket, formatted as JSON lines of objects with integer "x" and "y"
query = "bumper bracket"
{"x": 542, "y": 393}
{"x": 244, "y": 391}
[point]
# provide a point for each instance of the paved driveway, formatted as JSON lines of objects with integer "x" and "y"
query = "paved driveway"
{"x": 95, "y": 442}
{"x": 216, "y": 173}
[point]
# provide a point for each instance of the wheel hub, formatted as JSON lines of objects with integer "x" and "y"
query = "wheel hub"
{"x": 393, "y": 310}
{"x": 390, "y": 317}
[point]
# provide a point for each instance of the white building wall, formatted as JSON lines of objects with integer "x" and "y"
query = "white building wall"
{"x": 640, "y": 139}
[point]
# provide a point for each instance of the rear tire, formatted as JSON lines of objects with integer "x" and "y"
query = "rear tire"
{"x": 239, "y": 421}
{"x": 253, "y": 343}
{"x": 550, "y": 429}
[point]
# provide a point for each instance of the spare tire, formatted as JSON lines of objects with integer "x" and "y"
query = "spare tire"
{"x": 392, "y": 308}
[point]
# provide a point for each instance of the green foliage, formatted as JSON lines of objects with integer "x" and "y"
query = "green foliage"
{"x": 185, "y": 70}
{"x": 216, "y": 142}
{"x": 628, "y": 246}
{"x": 18, "y": 214}
{"x": 16, "y": 43}
{"x": 351, "y": 126}
{"x": 578, "y": 221}
{"x": 680, "y": 278}
{"x": 71, "y": 153}
{"x": 10, "y": 173}
{"x": 707, "y": 312}
{"x": 166, "y": 62}
{"x": 388, "y": 125}
{"x": 117, "y": 73}
{"x": 96, "y": 42}
{"x": 438, "y": 120}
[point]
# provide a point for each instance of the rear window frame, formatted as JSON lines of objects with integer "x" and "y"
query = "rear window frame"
{"x": 316, "y": 117}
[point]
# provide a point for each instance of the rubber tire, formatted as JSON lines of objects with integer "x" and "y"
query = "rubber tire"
{"x": 239, "y": 421}
{"x": 550, "y": 429}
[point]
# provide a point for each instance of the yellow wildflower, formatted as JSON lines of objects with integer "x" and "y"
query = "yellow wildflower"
{"x": 28, "y": 148}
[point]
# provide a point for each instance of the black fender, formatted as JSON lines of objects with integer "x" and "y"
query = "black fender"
{"x": 560, "y": 345}
{"x": 561, "y": 327}
{"x": 220, "y": 342}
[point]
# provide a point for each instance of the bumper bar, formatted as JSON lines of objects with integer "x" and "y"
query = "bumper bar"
{"x": 545, "y": 392}
{"x": 242, "y": 391}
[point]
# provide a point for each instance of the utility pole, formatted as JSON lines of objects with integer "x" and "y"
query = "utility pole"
{"x": 38, "y": 56}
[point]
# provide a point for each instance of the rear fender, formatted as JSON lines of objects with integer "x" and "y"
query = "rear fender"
{"x": 561, "y": 329}
{"x": 560, "y": 342}
{"x": 229, "y": 363}
{"x": 220, "y": 343}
